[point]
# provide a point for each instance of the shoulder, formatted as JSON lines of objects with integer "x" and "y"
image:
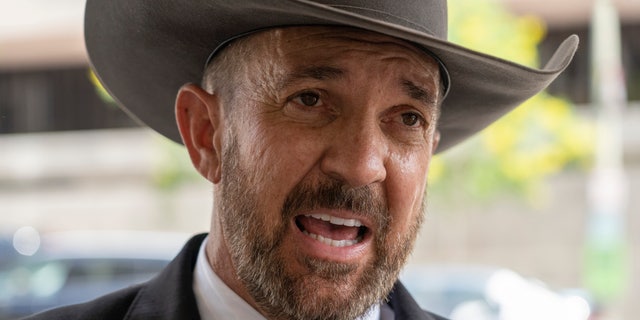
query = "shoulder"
{"x": 168, "y": 295}
{"x": 112, "y": 306}
{"x": 405, "y": 307}
{"x": 433, "y": 316}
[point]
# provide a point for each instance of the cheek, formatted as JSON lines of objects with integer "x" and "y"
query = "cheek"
{"x": 277, "y": 159}
{"x": 406, "y": 187}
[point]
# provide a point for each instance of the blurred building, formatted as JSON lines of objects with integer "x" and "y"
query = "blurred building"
{"x": 44, "y": 75}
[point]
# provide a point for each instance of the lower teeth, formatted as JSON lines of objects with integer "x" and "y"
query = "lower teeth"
{"x": 331, "y": 242}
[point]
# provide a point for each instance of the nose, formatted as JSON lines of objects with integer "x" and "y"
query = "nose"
{"x": 356, "y": 155}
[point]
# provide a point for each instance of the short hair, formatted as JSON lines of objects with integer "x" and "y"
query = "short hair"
{"x": 222, "y": 76}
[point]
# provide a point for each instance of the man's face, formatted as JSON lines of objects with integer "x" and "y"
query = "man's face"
{"x": 326, "y": 149}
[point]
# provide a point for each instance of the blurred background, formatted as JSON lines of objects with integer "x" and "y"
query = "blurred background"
{"x": 536, "y": 218}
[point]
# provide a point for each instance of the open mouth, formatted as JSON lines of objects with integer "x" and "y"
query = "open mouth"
{"x": 331, "y": 230}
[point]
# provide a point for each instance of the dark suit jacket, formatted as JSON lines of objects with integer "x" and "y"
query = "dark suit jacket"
{"x": 169, "y": 295}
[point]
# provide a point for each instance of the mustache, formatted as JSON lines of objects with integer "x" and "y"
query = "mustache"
{"x": 365, "y": 201}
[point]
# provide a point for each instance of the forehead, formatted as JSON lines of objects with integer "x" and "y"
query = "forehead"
{"x": 319, "y": 45}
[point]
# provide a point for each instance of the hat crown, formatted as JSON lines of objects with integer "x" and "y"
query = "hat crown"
{"x": 428, "y": 16}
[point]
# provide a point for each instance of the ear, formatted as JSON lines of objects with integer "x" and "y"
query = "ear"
{"x": 199, "y": 116}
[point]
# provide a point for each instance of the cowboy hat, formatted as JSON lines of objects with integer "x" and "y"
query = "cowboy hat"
{"x": 144, "y": 51}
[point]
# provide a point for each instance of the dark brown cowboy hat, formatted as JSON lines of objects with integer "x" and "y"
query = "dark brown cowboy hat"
{"x": 143, "y": 51}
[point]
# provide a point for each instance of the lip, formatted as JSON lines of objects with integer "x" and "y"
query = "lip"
{"x": 314, "y": 248}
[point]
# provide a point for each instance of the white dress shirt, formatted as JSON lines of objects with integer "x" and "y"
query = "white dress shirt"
{"x": 216, "y": 301}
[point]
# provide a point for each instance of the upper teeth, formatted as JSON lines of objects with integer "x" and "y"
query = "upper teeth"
{"x": 336, "y": 220}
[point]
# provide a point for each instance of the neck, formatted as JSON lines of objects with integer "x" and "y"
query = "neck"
{"x": 219, "y": 259}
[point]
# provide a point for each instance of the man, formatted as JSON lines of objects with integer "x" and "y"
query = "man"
{"x": 316, "y": 123}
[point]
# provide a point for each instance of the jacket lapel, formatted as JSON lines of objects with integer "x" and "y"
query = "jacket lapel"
{"x": 405, "y": 307}
{"x": 169, "y": 295}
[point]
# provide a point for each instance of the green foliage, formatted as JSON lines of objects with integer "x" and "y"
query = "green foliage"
{"x": 486, "y": 26}
{"x": 172, "y": 166}
{"x": 538, "y": 139}
{"x": 607, "y": 271}
{"x": 100, "y": 90}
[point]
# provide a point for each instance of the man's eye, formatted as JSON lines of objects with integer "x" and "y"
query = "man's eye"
{"x": 410, "y": 119}
{"x": 309, "y": 99}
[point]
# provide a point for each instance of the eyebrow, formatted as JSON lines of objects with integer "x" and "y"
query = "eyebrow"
{"x": 418, "y": 93}
{"x": 312, "y": 72}
{"x": 333, "y": 73}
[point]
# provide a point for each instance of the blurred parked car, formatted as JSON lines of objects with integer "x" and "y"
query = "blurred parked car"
{"x": 487, "y": 293}
{"x": 8, "y": 254}
{"x": 74, "y": 267}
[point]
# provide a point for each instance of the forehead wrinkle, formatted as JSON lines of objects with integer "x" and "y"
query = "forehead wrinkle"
{"x": 311, "y": 72}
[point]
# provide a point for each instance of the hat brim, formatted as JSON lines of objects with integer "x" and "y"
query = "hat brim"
{"x": 144, "y": 55}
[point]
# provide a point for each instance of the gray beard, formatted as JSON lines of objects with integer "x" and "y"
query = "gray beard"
{"x": 262, "y": 266}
